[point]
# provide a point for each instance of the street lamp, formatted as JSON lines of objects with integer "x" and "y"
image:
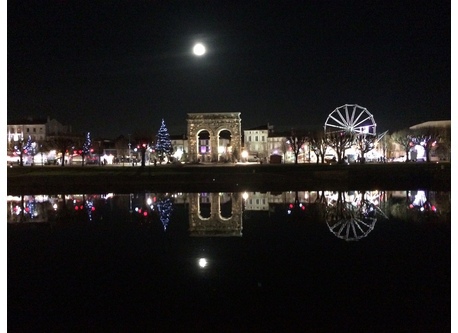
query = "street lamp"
{"x": 129, "y": 148}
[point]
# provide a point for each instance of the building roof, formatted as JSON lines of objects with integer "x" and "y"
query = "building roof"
{"x": 28, "y": 121}
{"x": 266, "y": 127}
{"x": 436, "y": 123}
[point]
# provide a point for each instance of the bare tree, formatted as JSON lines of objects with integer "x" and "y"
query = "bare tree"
{"x": 122, "y": 146}
{"x": 318, "y": 143}
{"x": 296, "y": 141}
{"x": 404, "y": 139}
{"x": 365, "y": 143}
{"x": 62, "y": 145}
{"x": 340, "y": 142}
{"x": 427, "y": 138}
{"x": 142, "y": 142}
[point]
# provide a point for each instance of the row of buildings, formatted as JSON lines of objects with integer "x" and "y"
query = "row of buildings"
{"x": 255, "y": 144}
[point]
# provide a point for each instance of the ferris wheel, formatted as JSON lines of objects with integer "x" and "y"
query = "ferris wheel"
{"x": 350, "y": 118}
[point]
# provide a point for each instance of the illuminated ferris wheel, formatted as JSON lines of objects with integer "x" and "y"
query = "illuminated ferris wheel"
{"x": 350, "y": 118}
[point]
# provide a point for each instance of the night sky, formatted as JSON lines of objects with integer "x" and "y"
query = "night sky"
{"x": 118, "y": 67}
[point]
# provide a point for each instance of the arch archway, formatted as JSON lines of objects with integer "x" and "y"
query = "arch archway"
{"x": 215, "y": 124}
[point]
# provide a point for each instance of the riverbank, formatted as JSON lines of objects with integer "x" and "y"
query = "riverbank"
{"x": 228, "y": 178}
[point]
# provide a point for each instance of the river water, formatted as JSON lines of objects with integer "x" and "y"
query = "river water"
{"x": 302, "y": 261}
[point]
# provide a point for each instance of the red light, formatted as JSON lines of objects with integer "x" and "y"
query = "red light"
{"x": 76, "y": 207}
{"x": 93, "y": 208}
{"x": 291, "y": 205}
{"x": 433, "y": 208}
{"x": 303, "y": 207}
{"x": 81, "y": 207}
{"x": 410, "y": 206}
{"x": 145, "y": 213}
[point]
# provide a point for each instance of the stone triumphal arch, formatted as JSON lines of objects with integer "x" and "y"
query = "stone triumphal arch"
{"x": 213, "y": 148}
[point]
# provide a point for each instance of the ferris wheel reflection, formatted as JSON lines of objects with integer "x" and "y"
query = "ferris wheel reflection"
{"x": 352, "y": 215}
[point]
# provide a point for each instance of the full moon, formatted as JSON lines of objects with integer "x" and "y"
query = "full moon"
{"x": 199, "y": 49}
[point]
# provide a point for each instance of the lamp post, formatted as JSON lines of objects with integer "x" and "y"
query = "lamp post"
{"x": 130, "y": 149}
{"x": 100, "y": 142}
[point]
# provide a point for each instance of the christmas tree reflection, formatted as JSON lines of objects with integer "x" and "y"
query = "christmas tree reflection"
{"x": 165, "y": 208}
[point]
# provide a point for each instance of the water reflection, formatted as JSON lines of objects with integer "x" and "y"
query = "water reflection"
{"x": 352, "y": 215}
{"x": 349, "y": 215}
{"x": 215, "y": 214}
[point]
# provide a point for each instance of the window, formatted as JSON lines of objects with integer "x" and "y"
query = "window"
{"x": 28, "y": 130}
{"x": 256, "y": 138}
{"x": 34, "y": 130}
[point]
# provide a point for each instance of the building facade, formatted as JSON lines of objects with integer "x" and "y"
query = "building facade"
{"x": 39, "y": 130}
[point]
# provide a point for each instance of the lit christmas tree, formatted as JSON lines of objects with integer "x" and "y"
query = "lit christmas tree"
{"x": 163, "y": 143}
{"x": 27, "y": 149}
{"x": 86, "y": 147}
{"x": 28, "y": 146}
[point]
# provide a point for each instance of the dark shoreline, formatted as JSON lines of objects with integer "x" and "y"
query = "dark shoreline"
{"x": 228, "y": 178}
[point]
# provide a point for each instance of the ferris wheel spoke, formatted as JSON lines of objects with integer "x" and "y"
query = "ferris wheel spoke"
{"x": 361, "y": 229}
{"x": 335, "y": 225}
{"x": 349, "y": 118}
{"x": 342, "y": 227}
{"x": 335, "y": 126}
{"x": 362, "y": 122}
{"x": 344, "y": 119}
{"x": 363, "y": 223}
{"x": 357, "y": 118}
{"x": 347, "y": 234}
{"x": 354, "y": 230}
{"x": 369, "y": 222}
{"x": 341, "y": 122}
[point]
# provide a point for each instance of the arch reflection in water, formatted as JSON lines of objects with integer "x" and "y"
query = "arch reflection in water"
{"x": 215, "y": 214}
